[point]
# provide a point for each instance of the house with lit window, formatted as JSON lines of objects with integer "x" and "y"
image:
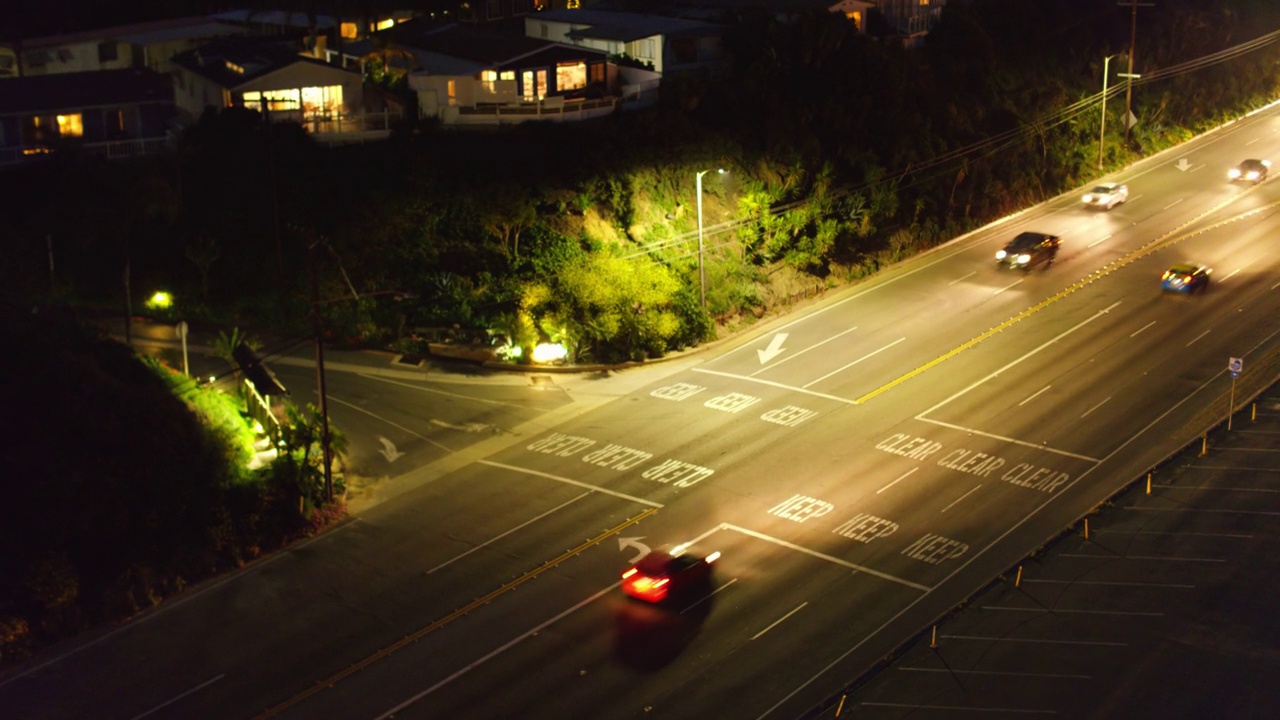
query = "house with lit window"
{"x": 465, "y": 74}
{"x": 270, "y": 76}
{"x": 112, "y": 113}
{"x": 665, "y": 44}
{"x": 148, "y": 45}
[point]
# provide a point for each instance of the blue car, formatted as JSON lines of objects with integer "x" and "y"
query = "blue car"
{"x": 1185, "y": 278}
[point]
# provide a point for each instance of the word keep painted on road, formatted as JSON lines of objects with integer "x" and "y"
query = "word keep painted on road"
{"x": 616, "y": 457}
{"x": 731, "y": 403}
{"x": 677, "y": 392}
{"x": 978, "y": 464}
{"x": 680, "y": 474}
{"x": 799, "y": 508}
{"x": 935, "y": 549}
{"x": 561, "y": 445}
{"x": 789, "y": 416}
{"x": 864, "y": 528}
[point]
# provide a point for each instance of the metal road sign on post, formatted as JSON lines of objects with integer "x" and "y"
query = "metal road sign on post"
{"x": 1236, "y": 366}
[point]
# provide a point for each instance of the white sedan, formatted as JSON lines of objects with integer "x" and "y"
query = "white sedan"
{"x": 1107, "y": 195}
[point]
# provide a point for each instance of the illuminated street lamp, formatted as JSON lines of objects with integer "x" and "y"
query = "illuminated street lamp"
{"x": 702, "y": 272}
{"x": 1102, "y": 130}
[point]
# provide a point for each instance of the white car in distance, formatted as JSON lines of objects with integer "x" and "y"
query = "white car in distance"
{"x": 1107, "y": 195}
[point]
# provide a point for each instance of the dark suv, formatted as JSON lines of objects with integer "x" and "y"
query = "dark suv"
{"x": 1028, "y": 250}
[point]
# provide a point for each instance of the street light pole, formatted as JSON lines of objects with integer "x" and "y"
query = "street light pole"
{"x": 702, "y": 271}
{"x": 1102, "y": 130}
{"x": 325, "y": 440}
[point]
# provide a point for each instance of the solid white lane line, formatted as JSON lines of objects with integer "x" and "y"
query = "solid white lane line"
{"x": 779, "y": 620}
{"x": 567, "y": 481}
{"x": 709, "y": 596}
{"x": 1230, "y": 275}
{"x": 770, "y": 383}
{"x": 961, "y": 498}
{"x": 895, "y": 480}
{"x": 1004, "y": 673}
{"x": 1033, "y": 397}
{"x": 1008, "y": 287}
{"x": 1095, "y": 407}
{"x": 1194, "y": 339}
{"x": 823, "y": 556}
{"x": 1267, "y": 513}
{"x": 873, "y": 353}
{"x": 962, "y": 277}
{"x": 389, "y": 422}
{"x": 1109, "y": 582}
{"x": 961, "y": 708}
{"x": 176, "y": 698}
{"x": 801, "y": 352}
{"x": 1059, "y": 611}
{"x": 982, "y": 638}
{"x": 1213, "y": 487}
{"x": 1175, "y": 202}
{"x": 496, "y": 538}
{"x": 1144, "y": 327}
{"x": 1240, "y": 536}
{"x": 1012, "y": 441}
{"x": 1169, "y": 558}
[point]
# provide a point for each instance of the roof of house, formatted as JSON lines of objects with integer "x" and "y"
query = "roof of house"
{"x": 623, "y": 26}
{"x": 252, "y": 58}
{"x": 456, "y": 49}
{"x": 186, "y": 28}
{"x": 279, "y": 18}
{"x": 80, "y": 90}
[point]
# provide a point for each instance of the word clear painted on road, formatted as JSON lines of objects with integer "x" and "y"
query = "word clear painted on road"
{"x": 935, "y": 549}
{"x": 680, "y": 474}
{"x": 1044, "y": 479}
{"x": 864, "y": 528}
{"x": 732, "y": 403}
{"x": 916, "y": 448}
{"x": 561, "y": 445}
{"x": 789, "y": 416}
{"x": 799, "y": 508}
{"x": 616, "y": 457}
{"x": 677, "y": 392}
{"x": 971, "y": 462}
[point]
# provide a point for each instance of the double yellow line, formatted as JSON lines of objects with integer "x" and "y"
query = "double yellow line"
{"x": 1163, "y": 241}
{"x": 470, "y": 607}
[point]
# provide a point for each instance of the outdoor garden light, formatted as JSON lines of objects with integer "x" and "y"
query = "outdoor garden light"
{"x": 549, "y": 353}
{"x": 161, "y": 300}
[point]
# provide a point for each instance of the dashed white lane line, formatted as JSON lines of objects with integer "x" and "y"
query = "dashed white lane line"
{"x": 496, "y": 538}
{"x": 999, "y": 673}
{"x": 1044, "y": 641}
{"x": 779, "y": 620}
{"x": 895, "y": 480}
{"x": 1144, "y": 327}
{"x": 957, "y": 500}
{"x": 1095, "y": 407}
{"x": 1034, "y": 396}
{"x": 961, "y": 708}
{"x": 1060, "y": 611}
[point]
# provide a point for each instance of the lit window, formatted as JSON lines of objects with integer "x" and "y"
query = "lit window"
{"x": 237, "y": 69}
{"x": 384, "y": 24}
{"x": 487, "y": 79}
{"x": 282, "y": 100}
{"x": 571, "y": 76}
{"x": 253, "y": 100}
{"x": 349, "y": 30}
{"x": 507, "y": 75}
{"x": 573, "y": 4}
{"x": 324, "y": 102}
{"x": 70, "y": 125}
{"x": 452, "y": 91}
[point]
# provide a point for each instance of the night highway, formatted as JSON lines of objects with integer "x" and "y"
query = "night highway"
{"x": 863, "y": 466}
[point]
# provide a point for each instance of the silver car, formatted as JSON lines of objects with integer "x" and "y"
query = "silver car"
{"x": 1107, "y": 195}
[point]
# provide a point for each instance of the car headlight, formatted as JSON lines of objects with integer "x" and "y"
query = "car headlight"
{"x": 1088, "y": 198}
{"x": 1253, "y": 175}
{"x": 1233, "y": 173}
{"x": 1000, "y": 254}
{"x": 1023, "y": 259}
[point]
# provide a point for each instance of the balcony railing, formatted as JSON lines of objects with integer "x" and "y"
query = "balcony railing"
{"x": 112, "y": 150}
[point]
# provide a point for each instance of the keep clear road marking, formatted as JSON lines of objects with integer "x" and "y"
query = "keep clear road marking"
{"x": 871, "y": 354}
{"x": 801, "y": 352}
{"x": 823, "y": 556}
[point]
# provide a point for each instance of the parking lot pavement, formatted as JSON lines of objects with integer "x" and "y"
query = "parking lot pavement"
{"x": 1169, "y": 609}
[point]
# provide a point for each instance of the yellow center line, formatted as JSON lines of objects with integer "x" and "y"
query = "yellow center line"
{"x": 1161, "y": 242}
{"x": 470, "y": 607}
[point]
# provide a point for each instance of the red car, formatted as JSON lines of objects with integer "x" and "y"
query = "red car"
{"x": 662, "y": 574}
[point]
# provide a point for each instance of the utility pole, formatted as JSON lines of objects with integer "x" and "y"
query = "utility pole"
{"x": 1128, "y": 91}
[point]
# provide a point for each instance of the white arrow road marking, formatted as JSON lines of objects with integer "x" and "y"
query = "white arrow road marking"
{"x": 626, "y": 542}
{"x": 774, "y": 349}
{"x": 389, "y": 450}
{"x": 471, "y": 427}
{"x": 1183, "y": 165}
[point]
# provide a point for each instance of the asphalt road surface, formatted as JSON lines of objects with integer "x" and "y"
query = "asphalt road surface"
{"x": 863, "y": 466}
